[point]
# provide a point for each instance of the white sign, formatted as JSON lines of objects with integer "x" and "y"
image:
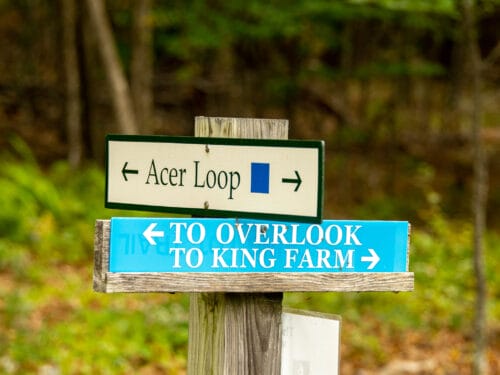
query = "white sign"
{"x": 216, "y": 176}
{"x": 310, "y": 343}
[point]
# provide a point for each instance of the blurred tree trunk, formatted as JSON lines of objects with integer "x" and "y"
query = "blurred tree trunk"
{"x": 120, "y": 93}
{"x": 473, "y": 61}
{"x": 97, "y": 109}
{"x": 72, "y": 82}
{"x": 141, "y": 66}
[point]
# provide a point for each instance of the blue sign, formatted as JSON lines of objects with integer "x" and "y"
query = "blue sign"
{"x": 232, "y": 245}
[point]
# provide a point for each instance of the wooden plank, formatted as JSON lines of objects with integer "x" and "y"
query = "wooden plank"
{"x": 268, "y": 282}
{"x": 234, "y": 127}
{"x": 101, "y": 254}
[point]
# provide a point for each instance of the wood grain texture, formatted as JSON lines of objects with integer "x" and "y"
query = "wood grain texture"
{"x": 258, "y": 282}
{"x": 235, "y": 333}
{"x": 206, "y": 334}
{"x": 235, "y": 127}
{"x": 253, "y": 328}
{"x": 101, "y": 254}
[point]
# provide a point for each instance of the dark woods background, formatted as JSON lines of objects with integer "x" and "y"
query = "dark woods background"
{"x": 404, "y": 93}
{"x": 385, "y": 83}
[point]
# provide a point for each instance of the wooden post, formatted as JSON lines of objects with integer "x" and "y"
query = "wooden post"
{"x": 236, "y": 333}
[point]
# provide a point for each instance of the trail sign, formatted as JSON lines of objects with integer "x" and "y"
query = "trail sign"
{"x": 153, "y": 255}
{"x": 229, "y": 245}
{"x": 229, "y": 255}
{"x": 277, "y": 179}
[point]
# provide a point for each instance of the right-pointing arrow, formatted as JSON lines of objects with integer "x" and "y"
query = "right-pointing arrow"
{"x": 296, "y": 181}
{"x": 150, "y": 233}
{"x": 374, "y": 259}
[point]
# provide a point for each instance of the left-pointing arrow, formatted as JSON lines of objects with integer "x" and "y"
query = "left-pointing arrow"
{"x": 126, "y": 171}
{"x": 150, "y": 233}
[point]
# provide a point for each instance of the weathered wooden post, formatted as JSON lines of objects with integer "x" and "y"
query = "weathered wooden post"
{"x": 236, "y": 333}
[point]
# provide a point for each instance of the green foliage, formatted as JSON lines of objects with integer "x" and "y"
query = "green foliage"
{"x": 54, "y": 214}
{"x": 440, "y": 6}
{"x": 287, "y": 43}
{"x": 49, "y": 316}
{"x": 78, "y": 331}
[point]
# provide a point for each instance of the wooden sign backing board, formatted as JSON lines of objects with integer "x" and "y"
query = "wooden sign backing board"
{"x": 110, "y": 282}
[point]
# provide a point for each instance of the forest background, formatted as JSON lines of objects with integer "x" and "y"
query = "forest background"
{"x": 405, "y": 94}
